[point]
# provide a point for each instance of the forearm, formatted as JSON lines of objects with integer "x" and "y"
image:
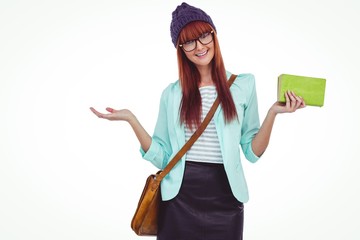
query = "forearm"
{"x": 262, "y": 138}
{"x": 141, "y": 134}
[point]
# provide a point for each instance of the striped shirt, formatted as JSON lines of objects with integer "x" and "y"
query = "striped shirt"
{"x": 207, "y": 147}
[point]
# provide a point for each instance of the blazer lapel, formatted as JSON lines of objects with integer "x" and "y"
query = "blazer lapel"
{"x": 179, "y": 129}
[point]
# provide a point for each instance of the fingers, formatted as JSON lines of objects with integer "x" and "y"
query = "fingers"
{"x": 96, "y": 112}
{"x": 101, "y": 115}
{"x": 293, "y": 102}
{"x": 297, "y": 102}
{"x": 109, "y": 109}
{"x": 287, "y": 98}
{"x": 302, "y": 103}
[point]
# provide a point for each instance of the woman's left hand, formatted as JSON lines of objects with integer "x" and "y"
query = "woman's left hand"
{"x": 293, "y": 103}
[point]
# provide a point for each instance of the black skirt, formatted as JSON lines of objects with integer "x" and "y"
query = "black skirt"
{"x": 204, "y": 209}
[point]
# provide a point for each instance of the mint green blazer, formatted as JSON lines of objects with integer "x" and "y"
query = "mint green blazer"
{"x": 169, "y": 136}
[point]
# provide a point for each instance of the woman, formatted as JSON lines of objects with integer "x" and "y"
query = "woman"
{"x": 203, "y": 195}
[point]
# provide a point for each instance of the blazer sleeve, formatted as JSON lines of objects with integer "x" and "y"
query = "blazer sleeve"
{"x": 160, "y": 148}
{"x": 251, "y": 122}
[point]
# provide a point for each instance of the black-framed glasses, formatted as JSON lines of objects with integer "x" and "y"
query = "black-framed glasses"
{"x": 204, "y": 39}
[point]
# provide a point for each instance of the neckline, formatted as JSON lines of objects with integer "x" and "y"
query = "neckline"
{"x": 208, "y": 86}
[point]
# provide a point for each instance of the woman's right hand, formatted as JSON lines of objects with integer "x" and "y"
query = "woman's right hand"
{"x": 114, "y": 115}
{"x": 126, "y": 115}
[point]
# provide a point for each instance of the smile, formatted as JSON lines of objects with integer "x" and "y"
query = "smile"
{"x": 201, "y": 54}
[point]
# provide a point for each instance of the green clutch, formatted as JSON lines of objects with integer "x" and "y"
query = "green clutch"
{"x": 311, "y": 89}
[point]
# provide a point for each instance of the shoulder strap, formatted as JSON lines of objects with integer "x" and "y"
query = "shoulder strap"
{"x": 161, "y": 174}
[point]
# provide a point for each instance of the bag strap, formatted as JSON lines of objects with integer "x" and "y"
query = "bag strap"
{"x": 161, "y": 174}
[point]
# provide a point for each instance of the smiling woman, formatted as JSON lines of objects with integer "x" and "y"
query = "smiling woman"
{"x": 203, "y": 195}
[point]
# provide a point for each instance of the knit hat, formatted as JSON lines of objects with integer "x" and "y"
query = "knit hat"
{"x": 183, "y": 15}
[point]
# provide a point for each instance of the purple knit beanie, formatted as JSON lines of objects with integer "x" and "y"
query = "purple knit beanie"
{"x": 183, "y": 15}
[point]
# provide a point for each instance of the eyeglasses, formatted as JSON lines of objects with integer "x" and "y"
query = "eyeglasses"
{"x": 204, "y": 39}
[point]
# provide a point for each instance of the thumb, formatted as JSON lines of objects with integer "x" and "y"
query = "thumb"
{"x": 109, "y": 109}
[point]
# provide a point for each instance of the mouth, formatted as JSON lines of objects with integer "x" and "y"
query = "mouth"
{"x": 201, "y": 54}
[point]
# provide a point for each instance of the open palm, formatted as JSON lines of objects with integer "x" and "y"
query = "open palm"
{"x": 113, "y": 115}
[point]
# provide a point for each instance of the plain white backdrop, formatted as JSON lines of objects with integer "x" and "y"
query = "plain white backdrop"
{"x": 65, "y": 174}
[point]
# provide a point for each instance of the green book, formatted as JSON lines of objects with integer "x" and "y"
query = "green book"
{"x": 311, "y": 89}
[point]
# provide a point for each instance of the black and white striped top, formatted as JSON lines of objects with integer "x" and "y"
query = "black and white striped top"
{"x": 207, "y": 147}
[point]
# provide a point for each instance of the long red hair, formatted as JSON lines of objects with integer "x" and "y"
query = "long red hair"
{"x": 190, "y": 108}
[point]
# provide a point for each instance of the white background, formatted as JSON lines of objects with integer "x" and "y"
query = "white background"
{"x": 65, "y": 174}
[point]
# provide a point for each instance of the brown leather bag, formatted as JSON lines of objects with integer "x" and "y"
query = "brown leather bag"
{"x": 145, "y": 219}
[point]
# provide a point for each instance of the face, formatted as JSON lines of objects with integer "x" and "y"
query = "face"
{"x": 200, "y": 51}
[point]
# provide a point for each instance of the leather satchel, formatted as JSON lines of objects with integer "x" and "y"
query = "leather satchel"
{"x": 145, "y": 219}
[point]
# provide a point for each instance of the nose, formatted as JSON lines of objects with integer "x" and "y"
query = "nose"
{"x": 199, "y": 45}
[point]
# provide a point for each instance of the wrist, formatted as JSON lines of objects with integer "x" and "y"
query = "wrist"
{"x": 272, "y": 112}
{"x": 130, "y": 117}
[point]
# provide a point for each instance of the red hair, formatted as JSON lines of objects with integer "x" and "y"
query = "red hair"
{"x": 190, "y": 108}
